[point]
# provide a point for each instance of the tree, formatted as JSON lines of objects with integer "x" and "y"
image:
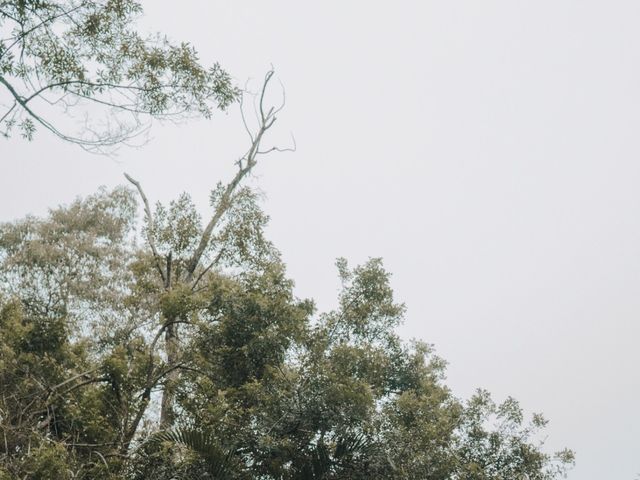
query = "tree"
{"x": 85, "y": 57}
{"x": 184, "y": 253}
{"x": 131, "y": 305}
{"x": 266, "y": 392}
{"x": 182, "y": 352}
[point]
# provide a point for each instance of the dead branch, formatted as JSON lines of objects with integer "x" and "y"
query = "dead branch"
{"x": 266, "y": 118}
{"x": 150, "y": 226}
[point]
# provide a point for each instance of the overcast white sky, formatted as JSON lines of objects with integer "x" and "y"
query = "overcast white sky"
{"x": 487, "y": 150}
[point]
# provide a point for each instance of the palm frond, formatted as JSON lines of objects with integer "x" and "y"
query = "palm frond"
{"x": 219, "y": 460}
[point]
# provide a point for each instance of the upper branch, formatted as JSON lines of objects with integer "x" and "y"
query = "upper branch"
{"x": 150, "y": 227}
{"x": 246, "y": 163}
{"x": 85, "y": 143}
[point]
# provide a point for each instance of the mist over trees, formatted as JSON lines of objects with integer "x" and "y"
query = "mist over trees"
{"x": 142, "y": 340}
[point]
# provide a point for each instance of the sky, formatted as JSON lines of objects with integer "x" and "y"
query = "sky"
{"x": 487, "y": 151}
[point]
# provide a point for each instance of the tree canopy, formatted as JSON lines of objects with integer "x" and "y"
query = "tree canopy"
{"x": 180, "y": 351}
{"x": 172, "y": 346}
{"x": 86, "y": 58}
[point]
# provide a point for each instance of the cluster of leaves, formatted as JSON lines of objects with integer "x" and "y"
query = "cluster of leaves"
{"x": 260, "y": 385}
{"x": 62, "y": 53}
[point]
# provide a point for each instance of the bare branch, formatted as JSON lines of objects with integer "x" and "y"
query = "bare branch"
{"x": 267, "y": 77}
{"x": 222, "y": 207}
{"x": 284, "y": 98}
{"x": 8, "y": 112}
{"x": 245, "y": 165}
{"x": 279, "y": 149}
{"x": 150, "y": 226}
{"x": 244, "y": 120}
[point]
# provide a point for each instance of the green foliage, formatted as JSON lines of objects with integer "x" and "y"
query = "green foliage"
{"x": 210, "y": 459}
{"x": 70, "y": 52}
{"x": 47, "y": 462}
{"x": 96, "y": 327}
{"x": 492, "y": 446}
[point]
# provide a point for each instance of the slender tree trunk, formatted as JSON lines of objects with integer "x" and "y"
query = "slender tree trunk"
{"x": 167, "y": 415}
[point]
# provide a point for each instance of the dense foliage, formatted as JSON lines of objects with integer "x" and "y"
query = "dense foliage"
{"x": 86, "y": 58}
{"x": 252, "y": 382}
{"x": 178, "y": 350}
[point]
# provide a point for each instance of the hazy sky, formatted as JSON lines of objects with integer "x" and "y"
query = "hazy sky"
{"x": 487, "y": 150}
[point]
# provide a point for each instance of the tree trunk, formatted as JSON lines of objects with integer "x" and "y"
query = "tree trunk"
{"x": 167, "y": 415}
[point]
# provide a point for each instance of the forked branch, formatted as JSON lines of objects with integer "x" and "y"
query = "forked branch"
{"x": 266, "y": 118}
